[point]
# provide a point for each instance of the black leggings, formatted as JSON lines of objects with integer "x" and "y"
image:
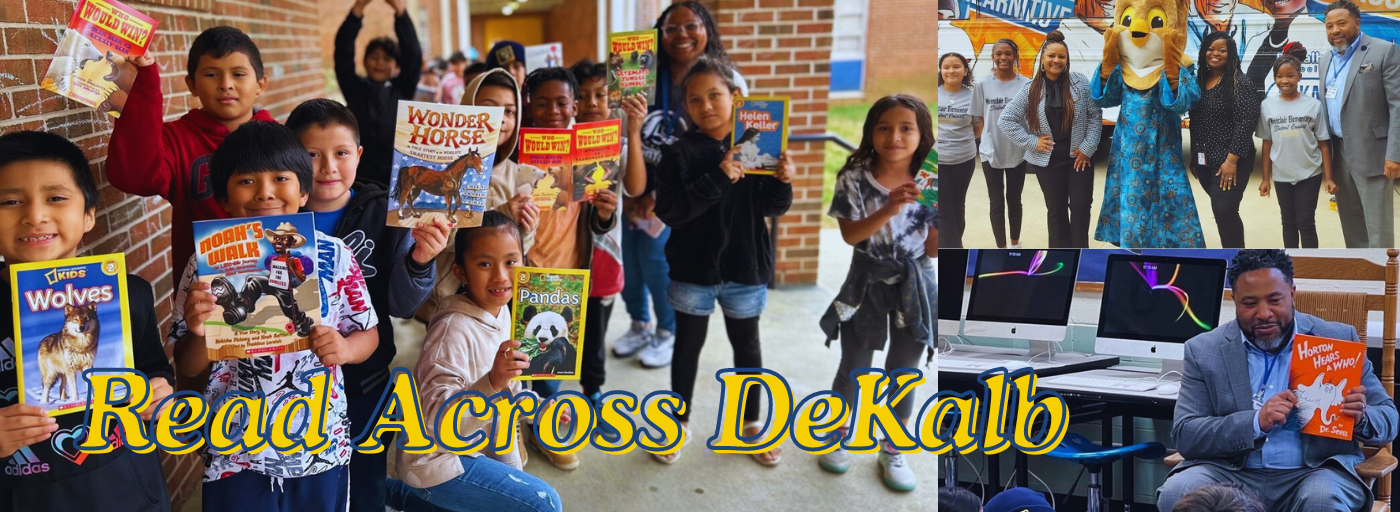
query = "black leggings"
{"x": 1225, "y": 204}
{"x": 594, "y": 349}
{"x": 953, "y": 181}
{"x": 1069, "y": 197}
{"x": 1297, "y": 202}
{"x": 685, "y": 362}
{"x": 1007, "y": 207}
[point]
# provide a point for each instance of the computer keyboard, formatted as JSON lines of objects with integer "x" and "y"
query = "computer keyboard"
{"x": 1103, "y": 383}
{"x": 981, "y": 364}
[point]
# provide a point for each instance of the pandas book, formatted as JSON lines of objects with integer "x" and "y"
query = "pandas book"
{"x": 262, "y": 273}
{"x": 1320, "y": 373}
{"x": 761, "y": 131}
{"x": 70, "y": 316}
{"x": 552, "y": 151}
{"x": 597, "y": 158}
{"x": 631, "y": 66}
{"x": 91, "y": 64}
{"x": 547, "y": 320}
{"x": 443, "y": 155}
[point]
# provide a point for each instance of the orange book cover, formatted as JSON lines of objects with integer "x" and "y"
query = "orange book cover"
{"x": 1321, "y": 371}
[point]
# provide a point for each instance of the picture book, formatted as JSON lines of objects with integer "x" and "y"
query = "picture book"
{"x": 1320, "y": 373}
{"x": 552, "y": 151}
{"x": 547, "y": 319}
{"x": 597, "y": 158}
{"x": 761, "y": 131}
{"x": 443, "y": 156}
{"x": 927, "y": 180}
{"x": 262, "y": 273}
{"x": 70, "y": 316}
{"x": 548, "y": 55}
{"x": 631, "y": 66}
{"x": 91, "y": 64}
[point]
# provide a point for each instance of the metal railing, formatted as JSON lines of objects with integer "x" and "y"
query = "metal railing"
{"x": 773, "y": 221}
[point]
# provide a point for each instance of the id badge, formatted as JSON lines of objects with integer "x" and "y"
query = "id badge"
{"x": 1201, "y": 158}
{"x": 1332, "y": 93}
{"x": 280, "y": 277}
{"x": 1258, "y": 399}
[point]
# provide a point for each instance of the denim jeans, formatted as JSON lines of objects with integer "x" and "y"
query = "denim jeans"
{"x": 485, "y": 484}
{"x": 646, "y": 275}
{"x": 739, "y": 301}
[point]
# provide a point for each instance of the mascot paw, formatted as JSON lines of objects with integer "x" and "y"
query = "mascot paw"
{"x": 1110, "y": 51}
{"x": 1174, "y": 43}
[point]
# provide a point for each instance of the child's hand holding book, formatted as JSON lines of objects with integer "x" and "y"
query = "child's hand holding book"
{"x": 22, "y": 425}
{"x": 731, "y": 167}
{"x": 330, "y": 346}
{"x": 159, "y": 389}
{"x": 508, "y": 364}
{"x": 606, "y": 203}
{"x": 786, "y": 169}
{"x": 199, "y": 306}
{"x": 430, "y": 239}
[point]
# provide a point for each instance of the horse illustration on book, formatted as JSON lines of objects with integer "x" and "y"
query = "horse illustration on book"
{"x": 65, "y": 354}
{"x": 1320, "y": 396}
{"x": 447, "y": 184}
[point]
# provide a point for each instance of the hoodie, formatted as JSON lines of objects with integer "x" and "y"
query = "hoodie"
{"x": 376, "y": 104}
{"x": 147, "y": 157}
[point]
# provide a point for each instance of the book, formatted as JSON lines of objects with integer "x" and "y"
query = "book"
{"x": 92, "y": 64}
{"x": 631, "y": 66}
{"x": 443, "y": 155}
{"x": 548, "y": 55}
{"x": 262, "y": 273}
{"x": 547, "y": 319}
{"x": 1320, "y": 373}
{"x": 927, "y": 180}
{"x": 552, "y": 151}
{"x": 70, "y": 316}
{"x": 597, "y": 158}
{"x": 761, "y": 131}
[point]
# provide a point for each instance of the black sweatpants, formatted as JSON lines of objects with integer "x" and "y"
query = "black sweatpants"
{"x": 685, "y": 362}
{"x": 1297, "y": 203}
{"x": 1006, "y": 206}
{"x": 953, "y": 182}
{"x": 595, "y": 329}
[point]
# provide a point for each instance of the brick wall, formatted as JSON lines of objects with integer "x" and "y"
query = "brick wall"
{"x": 286, "y": 32}
{"x": 901, "y": 45}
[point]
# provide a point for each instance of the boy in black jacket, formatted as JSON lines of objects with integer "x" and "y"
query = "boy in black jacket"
{"x": 397, "y": 265}
{"x": 374, "y": 99}
{"x": 48, "y": 200}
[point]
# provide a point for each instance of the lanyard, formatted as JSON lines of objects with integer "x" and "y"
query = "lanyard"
{"x": 1268, "y": 370}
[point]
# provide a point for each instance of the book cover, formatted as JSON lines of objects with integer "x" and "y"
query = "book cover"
{"x": 1321, "y": 371}
{"x": 443, "y": 156}
{"x": 927, "y": 180}
{"x": 70, "y": 316}
{"x": 91, "y": 64}
{"x": 547, "y": 319}
{"x": 262, "y": 273}
{"x": 761, "y": 131}
{"x": 597, "y": 158}
{"x": 548, "y": 55}
{"x": 631, "y": 66}
{"x": 552, "y": 151}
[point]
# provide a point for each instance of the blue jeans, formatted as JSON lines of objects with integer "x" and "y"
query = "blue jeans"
{"x": 739, "y": 301}
{"x": 646, "y": 275}
{"x": 485, "y": 484}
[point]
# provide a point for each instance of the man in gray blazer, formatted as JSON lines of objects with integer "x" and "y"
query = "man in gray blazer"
{"x": 1360, "y": 92}
{"x": 1235, "y": 400}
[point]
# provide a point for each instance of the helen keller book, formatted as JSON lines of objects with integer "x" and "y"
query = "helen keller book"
{"x": 443, "y": 156}
{"x": 552, "y": 151}
{"x": 70, "y": 316}
{"x": 547, "y": 319}
{"x": 262, "y": 273}
{"x": 91, "y": 64}
{"x": 631, "y": 66}
{"x": 597, "y": 158}
{"x": 761, "y": 132}
{"x": 1320, "y": 373}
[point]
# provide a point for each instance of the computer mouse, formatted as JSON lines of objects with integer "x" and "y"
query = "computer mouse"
{"x": 1170, "y": 388}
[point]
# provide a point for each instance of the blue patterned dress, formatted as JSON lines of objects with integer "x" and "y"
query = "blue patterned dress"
{"x": 1147, "y": 201}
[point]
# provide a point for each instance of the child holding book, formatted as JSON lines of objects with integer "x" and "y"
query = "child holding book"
{"x": 392, "y": 71}
{"x": 889, "y": 290}
{"x": 397, "y": 266}
{"x": 721, "y": 248}
{"x": 468, "y": 348}
{"x": 262, "y": 169}
{"x": 48, "y": 201}
{"x": 1302, "y": 159}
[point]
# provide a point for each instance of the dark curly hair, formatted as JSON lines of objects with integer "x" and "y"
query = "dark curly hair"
{"x": 1248, "y": 260}
{"x": 1220, "y": 497}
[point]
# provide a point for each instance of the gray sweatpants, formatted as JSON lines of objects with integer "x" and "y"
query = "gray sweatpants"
{"x": 1325, "y": 488}
{"x": 902, "y": 351}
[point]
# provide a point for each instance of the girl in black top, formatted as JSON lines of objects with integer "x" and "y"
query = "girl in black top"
{"x": 1222, "y": 133}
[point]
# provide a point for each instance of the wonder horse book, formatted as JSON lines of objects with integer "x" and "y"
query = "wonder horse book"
{"x": 443, "y": 156}
{"x": 1320, "y": 373}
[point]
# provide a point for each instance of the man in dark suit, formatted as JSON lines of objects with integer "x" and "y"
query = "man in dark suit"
{"x": 1235, "y": 399}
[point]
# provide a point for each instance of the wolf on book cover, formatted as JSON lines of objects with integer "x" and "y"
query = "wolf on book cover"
{"x": 443, "y": 155}
{"x": 1319, "y": 374}
{"x": 547, "y": 317}
{"x": 92, "y": 64}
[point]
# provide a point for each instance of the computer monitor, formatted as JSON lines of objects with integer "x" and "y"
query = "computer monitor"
{"x": 1153, "y": 304}
{"x": 952, "y": 278}
{"x": 1022, "y": 294}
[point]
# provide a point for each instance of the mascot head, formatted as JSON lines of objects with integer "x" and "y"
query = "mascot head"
{"x": 1142, "y": 28}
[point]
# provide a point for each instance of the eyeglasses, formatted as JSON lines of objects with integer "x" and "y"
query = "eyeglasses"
{"x": 671, "y": 30}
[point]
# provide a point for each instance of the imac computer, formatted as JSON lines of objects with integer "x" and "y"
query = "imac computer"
{"x": 1153, "y": 304}
{"x": 952, "y": 278}
{"x": 1022, "y": 294}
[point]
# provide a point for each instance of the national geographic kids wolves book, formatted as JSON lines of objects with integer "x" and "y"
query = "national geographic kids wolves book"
{"x": 262, "y": 273}
{"x": 547, "y": 319}
{"x": 597, "y": 158}
{"x": 631, "y": 66}
{"x": 443, "y": 156}
{"x": 91, "y": 64}
{"x": 761, "y": 128}
{"x": 70, "y": 316}
{"x": 1321, "y": 372}
{"x": 552, "y": 151}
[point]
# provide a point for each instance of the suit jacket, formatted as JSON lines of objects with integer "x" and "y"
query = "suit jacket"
{"x": 1215, "y": 407}
{"x": 1370, "y": 106}
{"x": 1084, "y": 136}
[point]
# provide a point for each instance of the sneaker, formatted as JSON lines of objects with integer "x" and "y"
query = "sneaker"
{"x": 1014, "y": 246}
{"x": 898, "y": 475}
{"x": 628, "y": 344}
{"x": 658, "y": 353}
{"x": 603, "y": 430}
{"x": 835, "y": 461}
{"x": 564, "y": 461}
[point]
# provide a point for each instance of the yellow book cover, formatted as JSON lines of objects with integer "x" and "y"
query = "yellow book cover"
{"x": 548, "y": 319}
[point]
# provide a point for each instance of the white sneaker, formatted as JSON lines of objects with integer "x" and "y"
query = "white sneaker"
{"x": 1014, "y": 246}
{"x": 628, "y": 344}
{"x": 836, "y": 461}
{"x": 658, "y": 353}
{"x": 898, "y": 475}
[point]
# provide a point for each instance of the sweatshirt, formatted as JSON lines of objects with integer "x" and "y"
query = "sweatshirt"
{"x": 376, "y": 104}
{"x": 148, "y": 158}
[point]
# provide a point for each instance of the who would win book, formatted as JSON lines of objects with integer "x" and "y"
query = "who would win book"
{"x": 547, "y": 318}
{"x": 597, "y": 158}
{"x": 70, "y": 316}
{"x": 92, "y": 64}
{"x": 631, "y": 66}
{"x": 443, "y": 156}
{"x": 761, "y": 132}
{"x": 552, "y": 151}
{"x": 927, "y": 180}
{"x": 1320, "y": 373}
{"x": 262, "y": 273}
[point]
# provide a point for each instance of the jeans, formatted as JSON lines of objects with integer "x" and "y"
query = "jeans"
{"x": 1225, "y": 204}
{"x": 484, "y": 484}
{"x": 737, "y": 300}
{"x": 1069, "y": 197}
{"x": 1005, "y": 207}
{"x": 646, "y": 275}
{"x": 953, "y": 181}
{"x": 1297, "y": 202}
{"x": 247, "y": 490}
